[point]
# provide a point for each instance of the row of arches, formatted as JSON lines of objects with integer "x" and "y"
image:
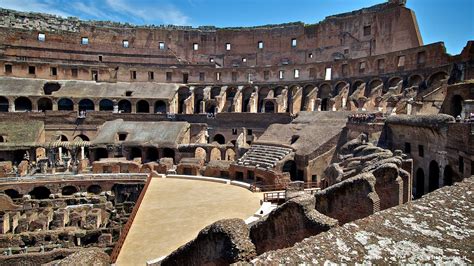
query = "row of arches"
{"x": 43, "y": 192}
{"x": 66, "y": 104}
{"x": 433, "y": 180}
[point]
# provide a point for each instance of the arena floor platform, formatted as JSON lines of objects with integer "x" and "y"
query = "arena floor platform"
{"x": 173, "y": 212}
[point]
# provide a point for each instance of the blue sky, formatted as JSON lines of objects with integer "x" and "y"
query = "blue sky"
{"x": 451, "y": 21}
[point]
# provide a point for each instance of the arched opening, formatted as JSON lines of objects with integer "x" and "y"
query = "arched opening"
{"x": 415, "y": 80}
{"x": 198, "y": 98}
{"x": 339, "y": 88}
{"x": 215, "y": 155}
{"x": 324, "y": 93}
{"x": 152, "y": 154}
{"x": 135, "y": 152}
{"x": 456, "y": 105}
{"x": 22, "y": 104}
{"x": 94, "y": 189}
{"x": 373, "y": 84}
{"x": 143, "y": 106}
{"x": 215, "y": 92}
{"x": 168, "y": 153}
{"x": 4, "y": 104}
{"x": 82, "y": 137}
{"x": 68, "y": 190}
{"x": 86, "y": 105}
{"x": 160, "y": 107}
{"x": 2, "y": 140}
{"x": 183, "y": 94}
{"x": 246, "y": 95}
{"x": 290, "y": 167}
{"x": 355, "y": 86}
{"x": 219, "y": 139}
{"x": 324, "y": 104}
{"x": 50, "y": 87}
{"x": 40, "y": 192}
{"x": 419, "y": 183}
{"x": 448, "y": 176}
{"x": 262, "y": 94}
{"x": 434, "y": 176}
{"x": 269, "y": 107}
{"x": 393, "y": 83}
{"x": 304, "y": 99}
{"x": 45, "y": 104}
{"x": 277, "y": 91}
{"x": 13, "y": 194}
{"x": 200, "y": 153}
{"x": 65, "y": 105}
{"x": 63, "y": 138}
{"x": 101, "y": 153}
{"x": 106, "y": 105}
{"x": 437, "y": 79}
{"x": 229, "y": 99}
{"x": 125, "y": 106}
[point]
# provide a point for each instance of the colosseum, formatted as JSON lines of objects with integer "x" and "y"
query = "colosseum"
{"x": 346, "y": 141}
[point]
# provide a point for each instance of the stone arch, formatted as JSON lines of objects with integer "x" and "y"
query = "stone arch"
{"x": 100, "y": 153}
{"x": 12, "y": 193}
{"x": 339, "y": 87}
{"x": 434, "y": 176}
{"x": 183, "y": 94}
{"x": 230, "y": 155}
{"x": 63, "y": 138}
{"x": 290, "y": 167}
{"x": 40, "y": 192}
{"x": 448, "y": 176}
{"x": 437, "y": 78}
{"x": 45, "y": 104}
{"x": 219, "y": 138}
{"x": 371, "y": 86}
{"x": 23, "y": 104}
{"x": 4, "y": 104}
{"x": 355, "y": 86}
{"x": 69, "y": 190}
{"x": 200, "y": 153}
{"x": 394, "y": 81}
{"x": 94, "y": 189}
{"x": 215, "y": 155}
{"x": 456, "y": 105}
{"x": 152, "y": 154}
{"x": 198, "y": 98}
{"x": 419, "y": 183}
{"x": 215, "y": 91}
{"x": 86, "y": 105}
{"x": 65, "y": 104}
{"x": 125, "y": 106}
{"x": 262, "y": 94}
{"x": 269, "y": 107}
{"x": 106, "y": 105}
{"x": 230, "y": 94}
{"x": 278, "y": 91}
{"x": 135, "y": 152}
{"x": 143, "y": 106}
{"x": 160, "y": 106}
{"x": 246, "y": 95}
{"x": 415, "y": 80}
{"x": 82, "y": 137}
{"x": 305, "y": 97}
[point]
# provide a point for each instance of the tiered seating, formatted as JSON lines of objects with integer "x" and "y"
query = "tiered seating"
{"x": 263, "y": 156}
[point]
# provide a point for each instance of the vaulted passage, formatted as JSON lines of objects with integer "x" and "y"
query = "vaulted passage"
{"x": 22, "y": 104}
{"x": 4, "y": 104}
{"x": 434, "y": 176}
{"x": 45, "y": 104}
{"x": 106, "y": 105}
{"x": 65, "y": 105}
{"x": 86, "y": 105}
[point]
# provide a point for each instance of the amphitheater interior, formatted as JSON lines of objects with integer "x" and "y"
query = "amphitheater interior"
{"x": 357, "y": 136}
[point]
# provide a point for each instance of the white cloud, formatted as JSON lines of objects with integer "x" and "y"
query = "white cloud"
{"x": 165, "y": 13}
{"x": 45, "y": 6}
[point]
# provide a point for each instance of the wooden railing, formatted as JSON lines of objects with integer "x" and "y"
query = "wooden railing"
{"x": 128, "y": 225}
{"x": 264, "y": 188}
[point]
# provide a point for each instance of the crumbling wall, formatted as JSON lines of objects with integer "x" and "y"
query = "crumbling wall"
{"x": 221, "y": 243}
{"x": 295, "y": 220}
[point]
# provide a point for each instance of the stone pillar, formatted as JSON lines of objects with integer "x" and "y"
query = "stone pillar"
{"x": 344, "y": 103}
{"x": 116, "y": 108}
{"x": 82, "y": 153}
{"x": 11, "y": 107}
{"x": 409, "y": 108}
{"x": 202, "y": 107}
{"x": 55, "y": 106}
{"x": 60, "y": 154}
{"x": 311, "y": 105}
{"x": 317, "y": 104}
{"x": 134, "y": 107}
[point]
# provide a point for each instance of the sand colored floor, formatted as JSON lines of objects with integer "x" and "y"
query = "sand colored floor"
{"x": 173, "y": 212}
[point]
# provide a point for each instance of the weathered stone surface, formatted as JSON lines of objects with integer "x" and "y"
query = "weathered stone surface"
{"x": 295, "y": 220}
{"x": 434, "y": 229}
{"x": 90, "y": 256}
{"x": 221, "y": 243}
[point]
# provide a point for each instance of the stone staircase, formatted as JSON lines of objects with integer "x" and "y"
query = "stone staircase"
{"x": 263, "y": 156}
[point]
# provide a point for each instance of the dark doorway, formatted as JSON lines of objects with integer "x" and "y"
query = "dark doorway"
{"x": 290, "y": 167}
{"x": 448, "y": 176}
{"x": 434, "y": 176}
{"x": 40, "y": 193}
{"x": 269, "y": 107}
{"x": 420, "y": 183}
{"x": 22, "y": 104}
